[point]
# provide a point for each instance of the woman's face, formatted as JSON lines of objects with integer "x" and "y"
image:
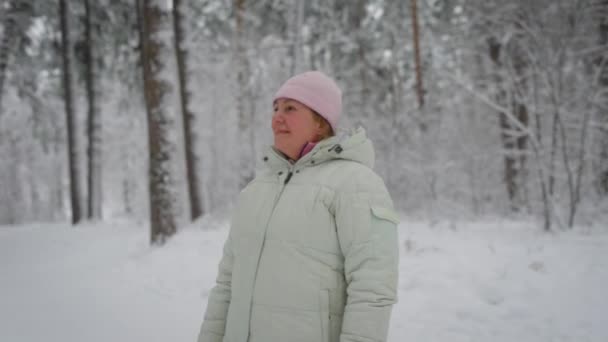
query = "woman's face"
{"x": 293, "y": 125}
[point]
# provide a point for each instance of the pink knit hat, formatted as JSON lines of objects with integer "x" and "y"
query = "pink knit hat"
{"x": 317, "y": 91}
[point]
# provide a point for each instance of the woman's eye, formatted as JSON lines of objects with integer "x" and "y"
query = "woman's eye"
{"x": 290, "y": 108}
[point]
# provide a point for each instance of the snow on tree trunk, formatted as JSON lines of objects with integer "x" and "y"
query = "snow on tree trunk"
{"x": 246, "y": 143}
{"x": 295, "y": 35}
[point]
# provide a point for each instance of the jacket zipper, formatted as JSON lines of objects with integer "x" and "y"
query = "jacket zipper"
{"x": 255, "y": 277}
{"x": 288, "y": 178}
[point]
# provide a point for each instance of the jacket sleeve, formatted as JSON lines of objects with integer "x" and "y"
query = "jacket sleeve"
{"x": 367, "y": 230}
{"x": 214, "y": 323}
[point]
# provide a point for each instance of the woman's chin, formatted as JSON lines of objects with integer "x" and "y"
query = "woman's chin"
{"x": 281, "y": 140}
{"x": 281, "y": 146}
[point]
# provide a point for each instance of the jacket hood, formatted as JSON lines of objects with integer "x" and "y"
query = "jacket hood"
{"x": 353, "y": 145}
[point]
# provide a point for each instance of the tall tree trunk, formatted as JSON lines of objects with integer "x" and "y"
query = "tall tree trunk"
{"x": 495, "y": 49}
{"x": 13, "y": 190}
{"x": 415, "y": 30}
{"x": 421, "y": 117}
{"x": 157, "y": 90}
{"x": 520, "y": 112}
{"x": 357, "y": 11}
{"x": 192, "y": 171}
{"x": 139, "y": 17}
{"x": 129, "y": 183}
{"x": 575, "y": 200}
{"x": 602, "y": 63}
{"x": 537, "y": 148}
{"x": 7, "y": 44}
{"x": 510, "y": 163}
{"x": 93, "y": 125}
{"x": 295, "y": 49}
{"x": 245, "y": 120}
{"x": 75, "y": 195}
{"x": 514, "y": 140}
{"x": 10, "y": 37}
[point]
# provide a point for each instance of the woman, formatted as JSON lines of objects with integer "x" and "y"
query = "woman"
{"x": 312, "y": 252}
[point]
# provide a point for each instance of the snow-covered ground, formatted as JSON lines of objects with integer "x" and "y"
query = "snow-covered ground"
{"x": 498, "y": 281}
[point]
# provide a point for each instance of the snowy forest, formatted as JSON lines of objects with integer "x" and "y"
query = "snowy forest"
{"x": 124, "y": 122}
{"x": 152, "y": 110}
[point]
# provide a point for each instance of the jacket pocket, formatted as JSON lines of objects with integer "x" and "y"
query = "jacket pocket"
{"x": 324, "y": 315}
{"x": 384, "y": 247}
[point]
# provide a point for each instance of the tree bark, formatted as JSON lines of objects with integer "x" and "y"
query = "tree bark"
{"x": 416, "y": 31}
{"x": 6, "y": 47}
{"x": 10, "y": 37}
{"x": 157, "y": 91}
{"x": 520, "y": 112}
{"x": 602, "y": 63}
{"x": 192, "y": 171}
{"x": 579, "y": 171}
{"x": 245, "y": 119}
{"x": 495, "y": 50}
{"x": 93, "y": 125}
{"x": 74, "y": 170}
{"x": 514, "y": 140}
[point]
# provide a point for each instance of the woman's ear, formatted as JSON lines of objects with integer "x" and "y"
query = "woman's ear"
{"x": 318, "y": 131}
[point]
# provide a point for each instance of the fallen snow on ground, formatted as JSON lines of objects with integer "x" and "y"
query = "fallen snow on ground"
{"x": 459, "y": 281}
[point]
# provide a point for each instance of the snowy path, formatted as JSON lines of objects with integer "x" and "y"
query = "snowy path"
{"x": 465, "y": 282}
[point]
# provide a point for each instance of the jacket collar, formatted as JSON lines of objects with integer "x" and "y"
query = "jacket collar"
{"x": 353, "y": 146}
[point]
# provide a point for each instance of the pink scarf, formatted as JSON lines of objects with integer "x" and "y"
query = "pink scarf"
{"x": 307, "y": 148}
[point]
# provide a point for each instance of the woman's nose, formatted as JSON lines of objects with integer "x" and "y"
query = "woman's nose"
{"x": 278, "y": 115}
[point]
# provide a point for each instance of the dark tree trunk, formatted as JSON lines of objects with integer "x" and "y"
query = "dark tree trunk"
{"x": 157, "y": 89}
{"x": 510, "y": 166}
{"x": 495, "y": 49}
{"x": 602, "y": 62}
{"x": 514, "y": 140}
{"x": 422, "y": 120}
{"x": 192, "y": 171}
{"x": 520, "y": 113}
{"x": 93, "y": 125}
{"x": 74, "y": 170}
{"x": 416, "y": 32}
